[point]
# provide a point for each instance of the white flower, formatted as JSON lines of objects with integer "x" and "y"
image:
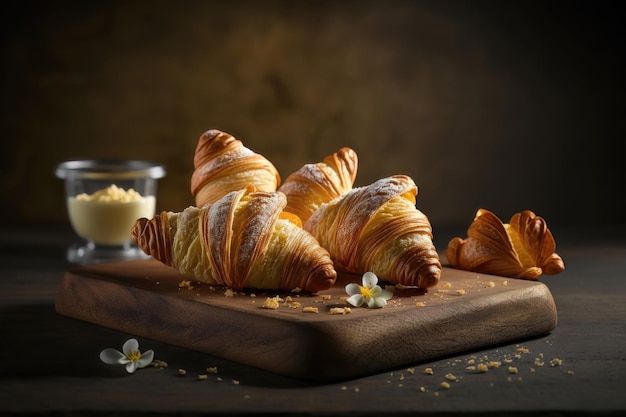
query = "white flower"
{"x": 129, "y": 356}
{"x": 369, "y": 293}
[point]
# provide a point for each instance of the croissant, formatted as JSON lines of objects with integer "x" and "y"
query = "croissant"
{"x": 223, "y": 164}
{"x": 523, "y": 248}
{"x": 314, "y": 184}
{"x": 378, "y": 228}
{"x": 243, "y": 240}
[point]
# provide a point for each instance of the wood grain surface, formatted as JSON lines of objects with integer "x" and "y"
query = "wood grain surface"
{"x": 465, "y": 311}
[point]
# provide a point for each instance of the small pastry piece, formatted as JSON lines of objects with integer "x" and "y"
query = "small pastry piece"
{"x": 243, "y": 240}
{"x": 223, "y": 164}
{"x": 314, "y": 184}
{"x": 523, "y": 248}
{"x": 379, "y": 229}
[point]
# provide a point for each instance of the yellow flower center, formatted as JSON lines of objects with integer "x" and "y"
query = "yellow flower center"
{"x": 134, "y": 356}
{"x": 366, "y": 293}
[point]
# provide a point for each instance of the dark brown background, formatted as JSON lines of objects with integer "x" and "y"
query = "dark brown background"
{"x": 502, "y": 105}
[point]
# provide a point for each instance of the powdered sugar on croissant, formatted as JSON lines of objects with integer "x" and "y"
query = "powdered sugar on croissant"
{"x": 223, "y": 164}
{"x": 378, "y": 228}
{"x": 243, "y": 240}
{"x": 523, "y": 248}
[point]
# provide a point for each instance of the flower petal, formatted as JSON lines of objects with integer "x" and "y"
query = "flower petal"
{"x": 380, "y": 302}
{"x": 353, "y": 289}
{"x": 385, "y": 294}
{"x": 130, "y": 346}
{"x": 146, "y": 359}
{"x": 369, "y": 279}
{"x": 375, "y": 291}
{"x": 131, "y": 367}
{"x": 356, "y": 300}
{"x": 111, "y": 356}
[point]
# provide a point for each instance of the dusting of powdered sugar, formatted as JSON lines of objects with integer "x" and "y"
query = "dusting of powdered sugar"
{"x": 357, "y": 207}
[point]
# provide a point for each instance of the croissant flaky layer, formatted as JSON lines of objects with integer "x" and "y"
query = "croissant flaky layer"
{"x": 223, "y": 164}
{"x": 378, "y": 228}
{"x": 243, "y": 240}
{"x": 315, "y": 184}
{"x": 523, "y": 248}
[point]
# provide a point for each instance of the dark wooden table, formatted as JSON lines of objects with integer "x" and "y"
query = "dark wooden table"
{"x": 49, "y": 363}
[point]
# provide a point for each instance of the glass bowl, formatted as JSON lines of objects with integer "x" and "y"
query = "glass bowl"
{"x": 104, "y": 199}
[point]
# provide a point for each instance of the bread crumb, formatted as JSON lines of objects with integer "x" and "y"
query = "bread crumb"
{"x": 296, "y": 290}
{"x": 494, "y": 364}
{"x": 446, "y": 285}
{"x": 428, "y": 371}
{"x": 422, "y": 389}
{"x": 450, "y": 377}
{"x": 229, "y": 292}
{"x": 539, "y": 362}
{"x": 522, "y": 350}
{"x": 340, "y": 310}
{"x": 326, "y": 297}
{"x": 505, "y": 283}
{"x": 460, "y": 292}
{"x": 159, "y": 363}
{"x": 411, "y": 371}
{"x": 235, "y": 382}
{"x": 490, "y": 284}
{"x": 470, "y": 368}
{"x": 181, "y": 371}
{"x": 556, "y": 362}
{"x": 344, "y": 388}
{"x": 445, "y": 385}
{"x": 420, "y": 304}
{"x": 482, "y": 368}
{"x": 202, "y": 377}
{"x": 185, "y": 284}
{"x": 570, "y": 372}
{"x": 513, "y": 369}
{"x": 272, "y": 302}
{"x": 218, "y": 379}
{"x": 212, "y": 369}
{"x": 311, "y": 310}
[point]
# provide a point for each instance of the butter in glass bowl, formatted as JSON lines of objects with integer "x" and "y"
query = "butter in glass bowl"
{"x": 104, "y": 199}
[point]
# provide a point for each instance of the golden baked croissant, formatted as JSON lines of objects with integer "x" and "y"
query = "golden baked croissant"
{"x": 523, "y": 248}
{"x": 314, "y": 184}
{"x": 378, "y": 228}
{"x": 243, "y": 240}
{"x": 223, "y": 164}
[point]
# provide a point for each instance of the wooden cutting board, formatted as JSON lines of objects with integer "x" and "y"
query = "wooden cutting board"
{"x": 465, "y": 311}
